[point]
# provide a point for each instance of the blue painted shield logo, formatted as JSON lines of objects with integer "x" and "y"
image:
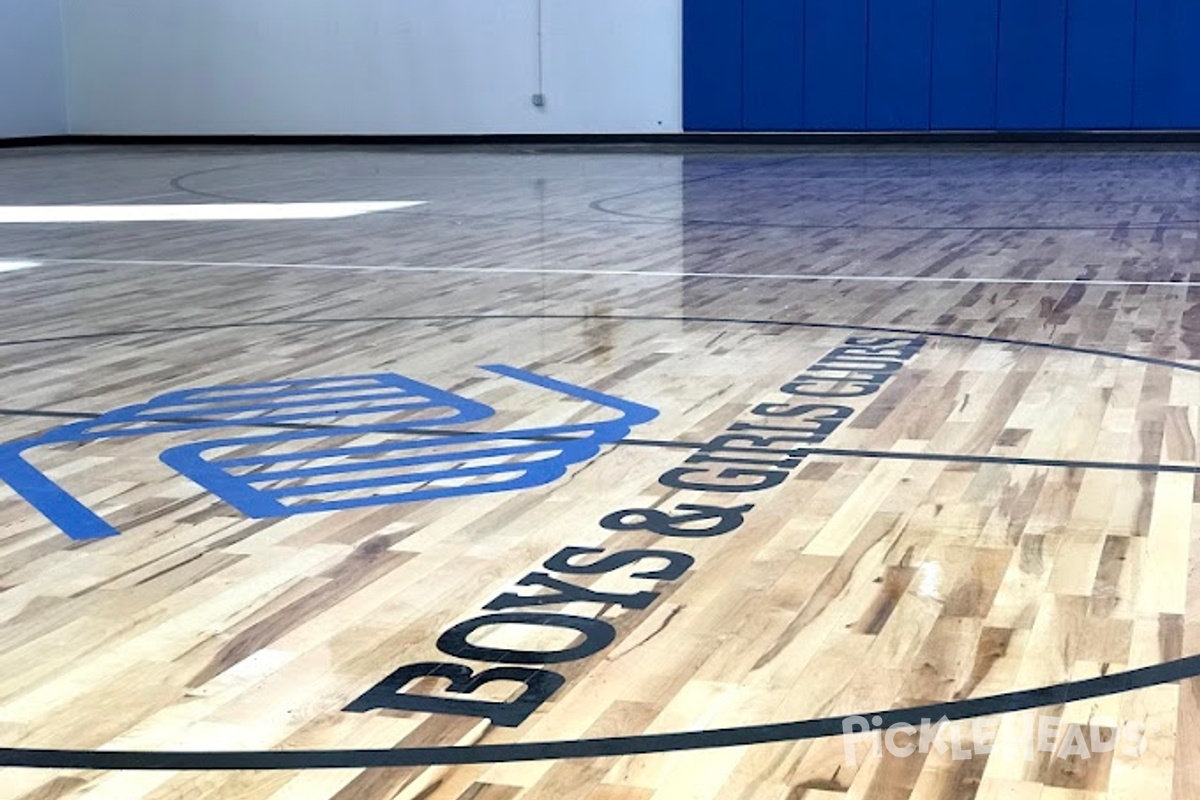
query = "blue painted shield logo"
{"x": 333, "y": 443}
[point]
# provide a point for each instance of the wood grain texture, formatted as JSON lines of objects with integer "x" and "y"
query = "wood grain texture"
{"x": 858, "y": 584}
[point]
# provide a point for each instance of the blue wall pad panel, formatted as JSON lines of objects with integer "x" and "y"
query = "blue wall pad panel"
{"x": 1099, "y": 86}
{"x": 965, "y": 40}
{"x": 835, "y": 65}
{"x": 1030, "y": 63}
{"x": 943, "y": 65}
{"x": 773, "y": 74}
{"x": 898, "y": 64}
{"x": 712, "y": 65}
{"x": 1166, "y": 89}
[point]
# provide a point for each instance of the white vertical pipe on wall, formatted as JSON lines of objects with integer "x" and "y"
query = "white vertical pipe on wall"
{"x": 539, "y": 97}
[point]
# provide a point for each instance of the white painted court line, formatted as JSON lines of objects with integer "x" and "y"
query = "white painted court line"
{"x": 14, "y": 266}
{"x": 626, "y": 273}
{"x": 195, "y": 212}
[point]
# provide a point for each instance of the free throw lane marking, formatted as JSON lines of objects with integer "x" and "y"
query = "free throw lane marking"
{"x": 15, "y": 266}
{"x": 195, "y": 212}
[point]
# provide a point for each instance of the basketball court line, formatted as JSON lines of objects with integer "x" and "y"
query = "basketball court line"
{"x": 175, "y": 192}
{"x": 17, "y": 266}
{"x": 624, "y": 273}
{"x": 179, "y": 185}
{"x": 332, "y": 428}
{"x": 782, "y": 323}
{"x": 641, "y": 744}
{"x": 601, "y": 205}
{"x": 679, "y": 444}
{"x": 1173, "y": 224}
{"x": 1008, "y": 702}
{"x": 194, "y": 212}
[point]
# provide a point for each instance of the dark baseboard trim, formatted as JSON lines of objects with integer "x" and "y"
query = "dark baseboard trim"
{"x": 34, "y": 141}
{"x": 645, "y": 139}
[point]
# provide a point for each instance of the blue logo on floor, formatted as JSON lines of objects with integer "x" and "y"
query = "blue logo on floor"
{"x": 333, "y": 443}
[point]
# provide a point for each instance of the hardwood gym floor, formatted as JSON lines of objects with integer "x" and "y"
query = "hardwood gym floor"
{"x": 779, "y": 441}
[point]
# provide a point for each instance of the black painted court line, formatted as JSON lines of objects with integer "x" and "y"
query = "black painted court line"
{"x": 48, "y": 413}
{"x": 333, "y": 429}
{"x": 1022, "y": 700}
{"x": 676, "y": 444}
{"x": 372, "y": 319}
{"x": 180, "y": 184}
{"x": 601, "y": 205}
{"x": 1013, "y": 461}
{"x": 741, "y": 736}
{"x": 851, "y": 226}
{"x": 185, "y": 420}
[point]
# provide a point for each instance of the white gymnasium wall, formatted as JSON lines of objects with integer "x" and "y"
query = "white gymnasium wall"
{"x": 371, "y": 66}
{"x": 32, "y": 101}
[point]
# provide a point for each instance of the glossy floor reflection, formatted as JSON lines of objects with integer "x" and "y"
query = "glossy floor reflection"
{"x": 898, "y": 428}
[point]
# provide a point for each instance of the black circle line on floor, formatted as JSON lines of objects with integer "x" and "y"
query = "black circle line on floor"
{"x": 1008, "y": 702}
{"x": 180, "y": 184}
{"x": 686, "y": 319}
{"x": 673, "y": 444}
{"x": 600, "y": 205}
